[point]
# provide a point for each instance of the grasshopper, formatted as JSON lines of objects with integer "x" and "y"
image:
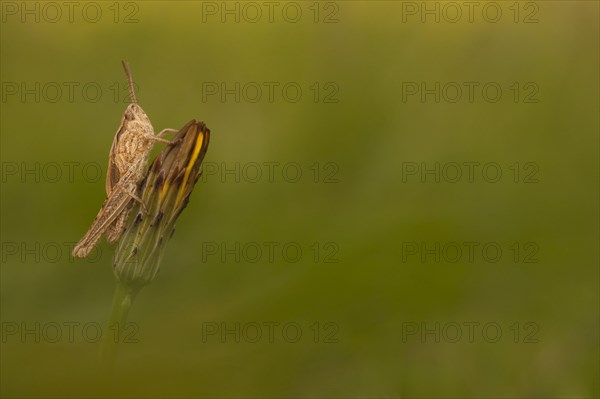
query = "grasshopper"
{"x": 127, "y": 165}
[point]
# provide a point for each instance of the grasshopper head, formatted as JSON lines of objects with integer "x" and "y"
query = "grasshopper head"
{"x": 135, "y": 113}
{"x": 136, "y": 120}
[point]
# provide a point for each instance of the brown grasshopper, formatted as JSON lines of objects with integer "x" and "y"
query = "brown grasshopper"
{"x": 127, "y": 165}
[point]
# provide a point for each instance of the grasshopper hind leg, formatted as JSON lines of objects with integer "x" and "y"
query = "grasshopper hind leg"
{"x": 117, "y": 227}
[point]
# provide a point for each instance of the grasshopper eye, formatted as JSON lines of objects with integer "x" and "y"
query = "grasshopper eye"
{"x": 129, "y": 115}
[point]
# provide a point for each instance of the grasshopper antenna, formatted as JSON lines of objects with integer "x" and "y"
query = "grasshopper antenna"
{"x": 129, "y": 82}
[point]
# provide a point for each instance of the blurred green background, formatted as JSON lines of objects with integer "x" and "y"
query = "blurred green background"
{"x": 369, "y": 211}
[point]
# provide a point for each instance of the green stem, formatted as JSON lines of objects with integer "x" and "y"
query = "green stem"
{"x": 122, "y": 300}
